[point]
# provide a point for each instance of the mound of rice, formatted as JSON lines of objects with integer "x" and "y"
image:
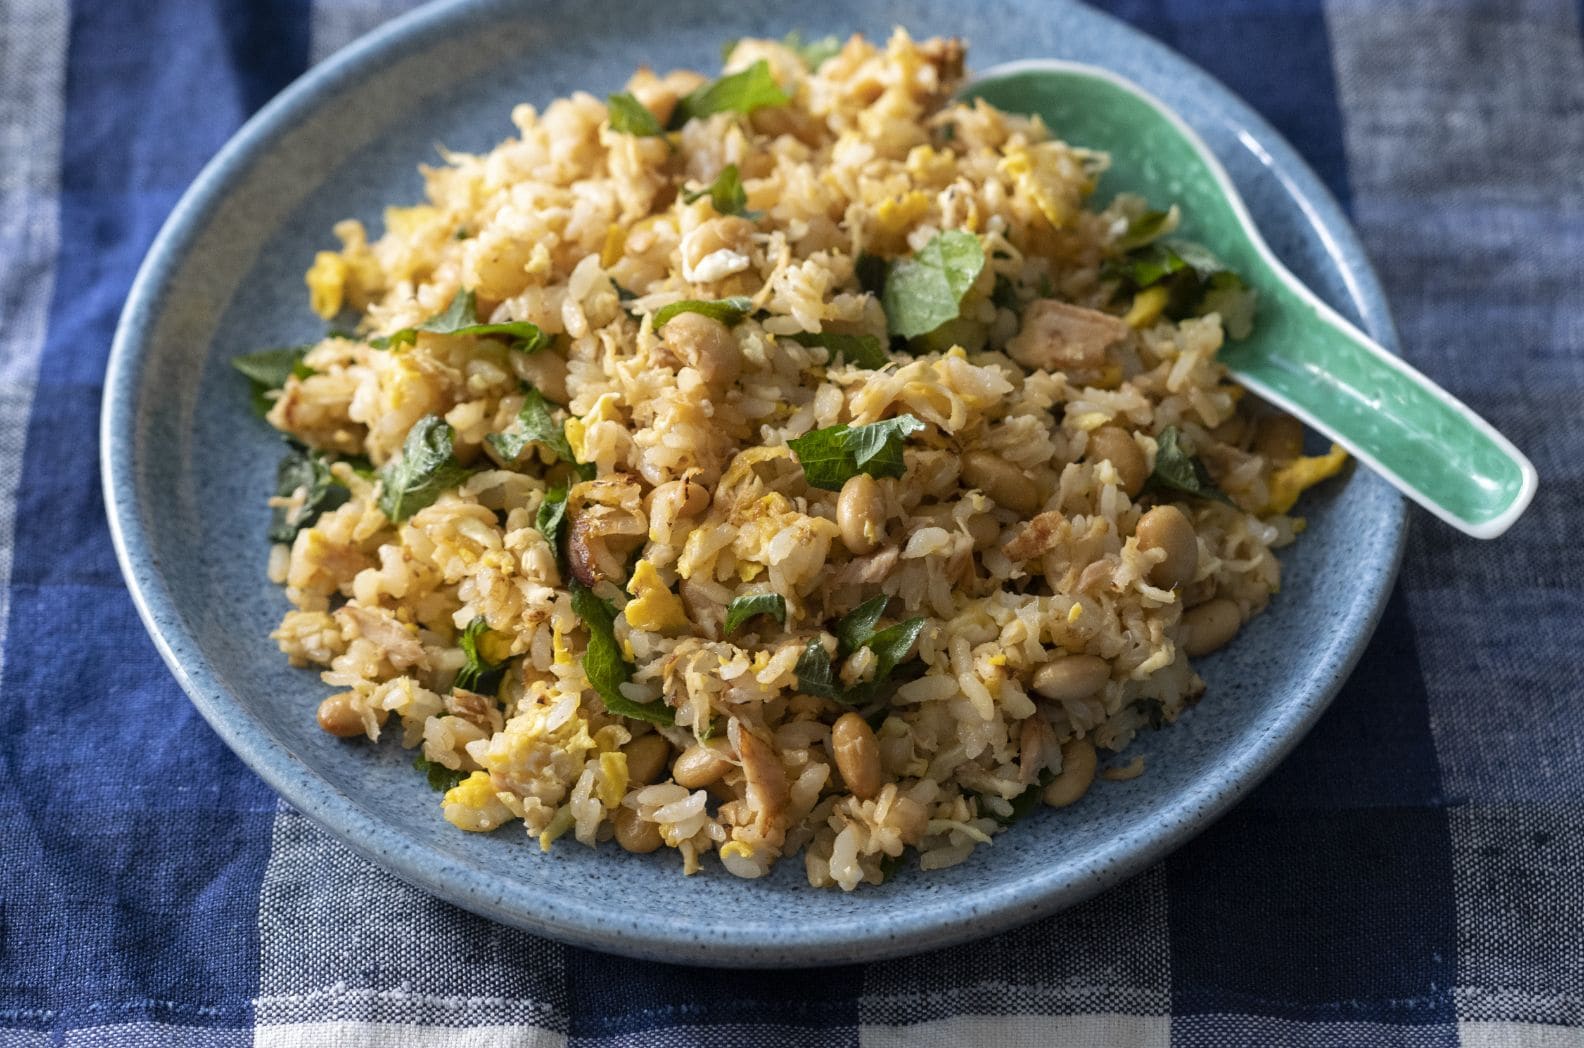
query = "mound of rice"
{"x": 444, "y": 580}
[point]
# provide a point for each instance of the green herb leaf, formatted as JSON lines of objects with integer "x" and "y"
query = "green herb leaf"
{"x": 268, "y": 369}
{"x": 726, "y": 193}
{"x": 425, "y": 470}
{"x": 308, "y": 470}
{"x": 707, "y": 732}
{"x": 477, "y": 673}
{"x": 834, "y": 455}
{"x": 1197, "y": 282}
{"x": 440, "y": 777}
{"x": 743, "y": 92}
{"x": 863, "y": 350}
{"x": 891, "y": 645}
{"x": 551, "y": 518}
{"x": 871, "y": 273}
{"x": 1025, "y": 802}
{"x": 628, "y": 116}
{"x": 925, "y": 291}
{"x": 461, "y": 318}
{"x": 1176, "y": 470}
{"x": 603, "y": 664}
{"x": 890, "y": 864}
{"x": 1143, "y": 229}
{"x": 741, "y": 609}
{"x": 535, "y": 424}
{"x": 815, "y": 676}
{"x": 729, "y": 311}
{"x": 854, "y": 629}
{"x": 815, "y": 53}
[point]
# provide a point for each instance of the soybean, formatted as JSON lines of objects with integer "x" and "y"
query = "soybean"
{"x": 698, "y": 767}
{"x": 1006, "y": 485}
{"x": 1076, "y": 776}
{"x": 860, "y": 514}
{"x": 1166, "y": 528}
{"x": 1116, "y": 445}
{"x": 857, "y": 753}
{"x": 339, "y": 717}
{"x": 635, "y": 834}
{"x": 646, "y": 758}
{"x": 1072, "y": 677}
{"x": 1210, "y": 625}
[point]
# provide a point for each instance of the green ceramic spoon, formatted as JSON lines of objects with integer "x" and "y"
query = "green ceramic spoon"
{"x": 1303, "y": 356}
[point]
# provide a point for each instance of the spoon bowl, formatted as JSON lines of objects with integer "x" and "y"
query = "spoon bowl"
{"x": 1302, "y": 356}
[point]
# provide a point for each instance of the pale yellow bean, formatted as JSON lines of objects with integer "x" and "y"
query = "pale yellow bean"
{"x": 1209, "y": 626}
{"x": 1166, "y": 528}
{"x": 635, "y": 834}
{"x": 1076, "y": 776}
{"x": 699, "y": 766}
{"x": 857, "y": 753}
{"x": 860, "y": 514}
{"x": 706, "y": 345}
{"x": 1118, "y": 446}
{"x": 1072, "y": 677}
{"x": 1006, "y": 485}
{"x": 339, "y": 717}
{"x": 646, "y": 758}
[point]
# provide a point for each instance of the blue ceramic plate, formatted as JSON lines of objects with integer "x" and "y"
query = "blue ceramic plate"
{"x": 187, "y": 468}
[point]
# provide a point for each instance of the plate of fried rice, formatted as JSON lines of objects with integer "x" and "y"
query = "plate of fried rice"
{"x": 745, "y": 504}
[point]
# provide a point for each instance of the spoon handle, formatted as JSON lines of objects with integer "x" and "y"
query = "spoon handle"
{"x": 1427, "y": 443}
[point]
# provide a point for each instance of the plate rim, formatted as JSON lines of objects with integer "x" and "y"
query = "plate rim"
{"x": 447, "y": 877}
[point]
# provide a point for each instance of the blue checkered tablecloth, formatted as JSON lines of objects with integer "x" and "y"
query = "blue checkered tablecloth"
{"x": 1412, "y": 875}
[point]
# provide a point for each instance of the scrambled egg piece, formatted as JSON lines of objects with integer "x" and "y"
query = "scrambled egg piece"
{"x": 654, "y": 607}
{"x": 326, "y": 280}
{"x": 1045, "y": 173}
{"x": 1300, "y": 475}
{"x": 895, "y": 216}
{"x": 473, "y": 804}
{"x": 604, "y": 410}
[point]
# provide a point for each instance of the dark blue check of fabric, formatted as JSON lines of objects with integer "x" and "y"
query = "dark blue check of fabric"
{"x": 1413, "y": 875}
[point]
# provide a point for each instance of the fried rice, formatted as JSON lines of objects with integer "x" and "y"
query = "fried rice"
{"x": 795, "y": 565}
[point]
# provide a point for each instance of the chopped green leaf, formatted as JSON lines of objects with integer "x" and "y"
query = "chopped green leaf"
{"x": 551, "y": 517}
{"x": 1025, "y": 802}
{"x": 440, "y": 777}
{"x": 925, "y": 291}
{"x": 871, "y": 273}
{"x": 834, "y": 455}
{"x": 1143, "y": 229}
{"x": 726, "y": 193}
{"x": 707, "y": 732}
{"x": 268, "y": 369}
{"x": 303, "y": 469}
{"x": 854, "y": 629}
{"x": 743, "y": 92}
{"x": 1005, "y": 295}
{"x": 863, "y": 350}
{"x": 424, "y": 471}
{"x": 890, "y": 864}
{"x": 741, "y": 609}
{"x": 1176, "y": 470}
{"x": 535, "y": 424}
{"x": 628, "y": 116}
{"x": 461, "y": 318}
{"x": 477, "y": 673}
{"x": 815, "y": 675}
{"x": 1197, "y": 283}
{"x": 815, "y": 53}
{"x": 729, "y": 311}
{"x": 603, "y": 664}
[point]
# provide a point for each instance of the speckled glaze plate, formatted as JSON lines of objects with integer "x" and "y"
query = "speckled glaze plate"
{"x": 187, "y": 468}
